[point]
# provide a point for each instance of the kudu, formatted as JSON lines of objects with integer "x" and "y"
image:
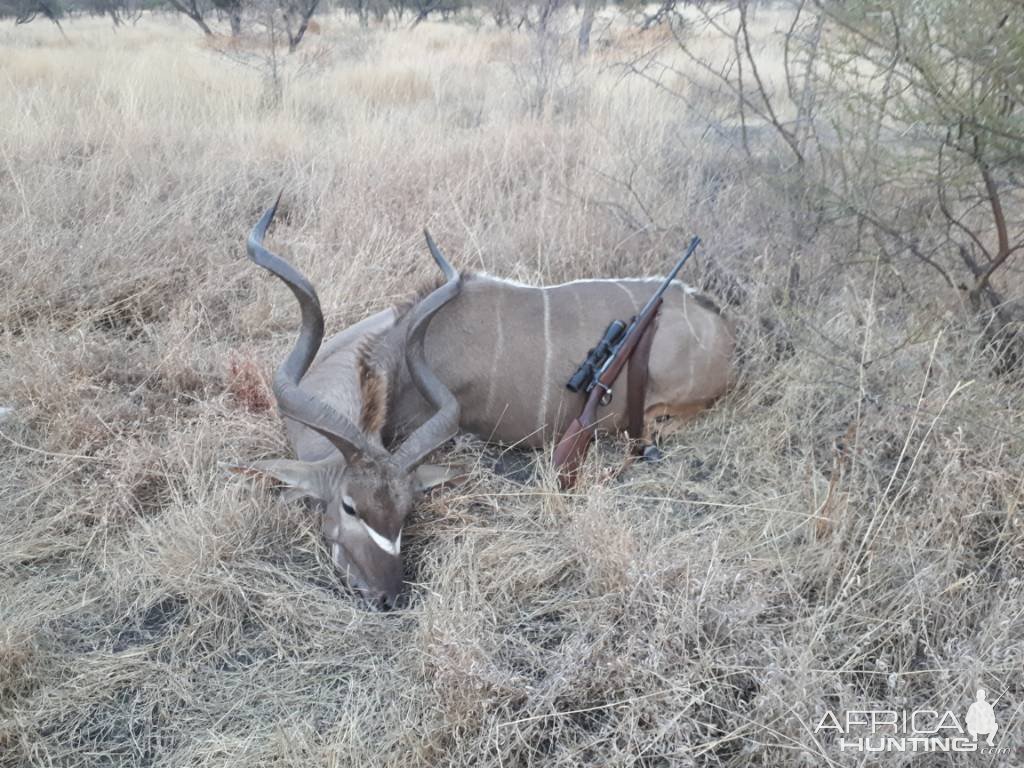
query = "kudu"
{"x": 488, "y": 355}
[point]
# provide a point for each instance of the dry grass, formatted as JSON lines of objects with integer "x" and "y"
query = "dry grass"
{"x": 843, "y": 531}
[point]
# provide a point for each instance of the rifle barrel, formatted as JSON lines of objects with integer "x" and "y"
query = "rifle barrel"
{"x": 672, "y": 275}
{"x": 651, "y": 302}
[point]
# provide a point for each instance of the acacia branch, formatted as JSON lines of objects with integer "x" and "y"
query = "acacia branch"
{"x": 909, "y": 245}
{"x": 296, "y": 39}
{"x": 940, "y": 190}
{"x": 1003, "y": 248}
{"x": 787, "y": 136}
{"x": 194, "y": 14}
{"x": 999, "y": 218}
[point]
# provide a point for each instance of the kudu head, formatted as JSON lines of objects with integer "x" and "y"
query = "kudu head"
{"x": 365, "y": 491}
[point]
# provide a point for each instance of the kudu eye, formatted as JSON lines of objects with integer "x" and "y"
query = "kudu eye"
{"x": 347, "y": 505}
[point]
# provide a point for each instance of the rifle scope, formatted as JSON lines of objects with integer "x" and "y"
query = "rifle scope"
{"x": 584, "y": 376}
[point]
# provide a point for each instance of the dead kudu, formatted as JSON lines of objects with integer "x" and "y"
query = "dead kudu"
{"x": 486, "y": 355}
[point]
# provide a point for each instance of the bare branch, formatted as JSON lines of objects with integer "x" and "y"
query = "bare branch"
{"x": 787, "y": 135}
{"x": 192, "y": 11}
{"x": 999, "y": 218}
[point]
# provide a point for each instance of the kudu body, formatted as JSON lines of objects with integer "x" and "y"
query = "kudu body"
{"x": 486, "y": 355}
{"x": 505, "y": 351}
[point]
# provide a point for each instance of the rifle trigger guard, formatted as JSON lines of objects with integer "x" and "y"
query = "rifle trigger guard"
{"x": 606, "y": 396}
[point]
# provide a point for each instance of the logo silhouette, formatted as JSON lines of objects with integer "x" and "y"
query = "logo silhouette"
{"x": 981, "y": 720}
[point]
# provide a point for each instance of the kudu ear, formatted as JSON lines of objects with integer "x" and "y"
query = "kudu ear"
{"x": 300, "y": 478}
{"x": 432, "y": 475}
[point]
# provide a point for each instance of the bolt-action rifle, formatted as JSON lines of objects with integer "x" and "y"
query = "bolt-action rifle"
{"x": 597, "y": 374}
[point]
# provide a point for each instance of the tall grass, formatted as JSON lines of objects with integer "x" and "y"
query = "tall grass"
{"x": 843, "y": 531}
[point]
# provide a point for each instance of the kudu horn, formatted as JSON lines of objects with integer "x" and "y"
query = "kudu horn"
{"x": 294, "y": 402}
{"x": 445, "y": 421}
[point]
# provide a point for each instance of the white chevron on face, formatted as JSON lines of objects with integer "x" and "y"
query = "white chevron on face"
{"x": 391, "y": 547}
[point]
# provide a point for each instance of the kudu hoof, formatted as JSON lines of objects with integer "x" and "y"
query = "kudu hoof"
{"x": 651, "y": 453}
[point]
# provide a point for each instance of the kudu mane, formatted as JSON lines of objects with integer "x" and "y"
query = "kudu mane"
{"x": 377, "y": 361}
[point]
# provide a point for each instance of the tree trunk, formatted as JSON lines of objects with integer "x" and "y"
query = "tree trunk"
{"x": 293, "y": 41}
{"x": 193, "y": 14}
{"x": 202, "y": 25}
{"x": 51, "y": 14}
{"x": 589, "y": 9}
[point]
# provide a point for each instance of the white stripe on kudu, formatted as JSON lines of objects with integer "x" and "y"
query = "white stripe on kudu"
{"x": 629, "y": 294}
{"x": 520, "y": 284}
{"x": 499, "y": 343}
{"x": 542, "y": 414}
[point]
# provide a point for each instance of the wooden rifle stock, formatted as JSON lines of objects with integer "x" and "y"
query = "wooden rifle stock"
{"x": 572, "y": 449}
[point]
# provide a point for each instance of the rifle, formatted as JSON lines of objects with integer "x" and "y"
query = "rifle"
{"x": 597, "y": 375}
